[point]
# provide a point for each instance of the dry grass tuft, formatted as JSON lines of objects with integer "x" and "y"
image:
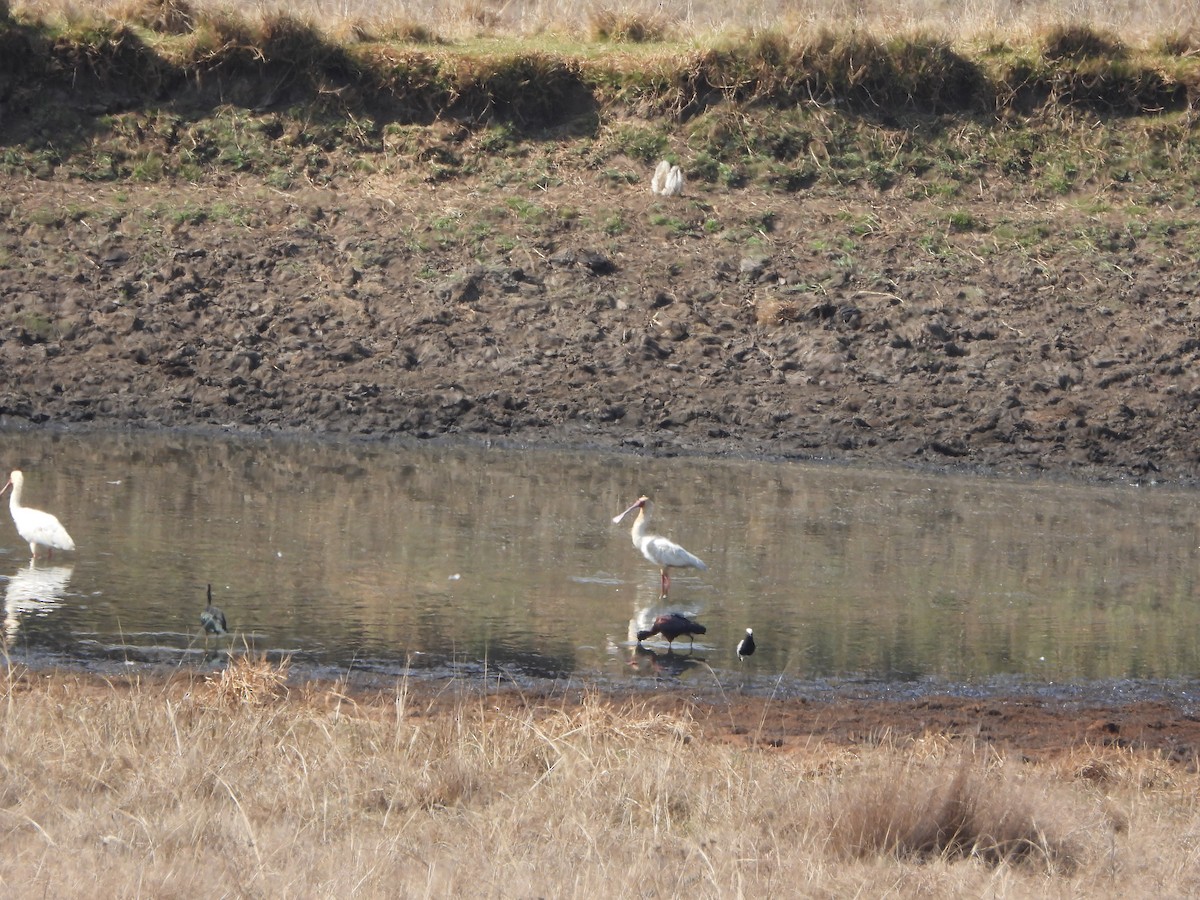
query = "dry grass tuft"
{"x": 776, "y": 312}
{"x": 162, "y": 16}
{"x": 250, "y": 680}
{"x": 152, "y": 788}
{"x": 1182, "y": 44}
{"x": 957, "y": 809}
{"x": 1080, "y": 42}
{"x": 626, "y": 27}
{"x": 399, "y": 30}
{"x": 219, "y": 31}
{"x": 283, "y": 38}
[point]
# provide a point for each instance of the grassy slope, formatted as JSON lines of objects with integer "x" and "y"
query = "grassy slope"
{"x": 277, "y": 99}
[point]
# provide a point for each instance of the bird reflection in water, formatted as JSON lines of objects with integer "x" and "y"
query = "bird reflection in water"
{"x": 647, "y": 623}
{"x": 648, "y": 661}
{"x": 33, "y": 591}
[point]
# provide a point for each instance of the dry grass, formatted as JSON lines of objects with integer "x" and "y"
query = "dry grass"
{"x": 249, "y": 680}
{"x": 233, "y": 786}
{"x": 651, "y": 20}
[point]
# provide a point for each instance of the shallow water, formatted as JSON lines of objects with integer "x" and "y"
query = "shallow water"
{"x": 432, "y": 559}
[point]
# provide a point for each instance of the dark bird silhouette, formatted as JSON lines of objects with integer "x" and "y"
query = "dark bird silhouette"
{"x": 664, "y": 553}
{"x": 745, "y": 646}
{"x": 213, "y": 619}
{"x": 671, "y": 626}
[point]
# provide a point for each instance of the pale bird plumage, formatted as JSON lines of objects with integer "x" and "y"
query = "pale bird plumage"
{"x": 37, "y": 528}
{"x": 667, "y": 181}
{"x": 664, "y": 553}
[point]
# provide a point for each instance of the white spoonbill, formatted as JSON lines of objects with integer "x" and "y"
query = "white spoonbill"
{"x": 35, "y": 526}
{"x": 664, "y": 553}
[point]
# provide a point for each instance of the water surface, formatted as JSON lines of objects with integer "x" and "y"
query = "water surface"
{"x": 403, "y": 559}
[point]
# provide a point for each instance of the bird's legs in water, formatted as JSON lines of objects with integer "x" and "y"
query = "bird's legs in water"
{"x": 666, "y": 584}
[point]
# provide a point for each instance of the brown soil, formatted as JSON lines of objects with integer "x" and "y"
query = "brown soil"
{"x": 1024, "y": 725}
{"x": 860, "y": 326}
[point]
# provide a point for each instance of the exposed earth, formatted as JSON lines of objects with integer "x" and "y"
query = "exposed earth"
{"x": 1034, "y": 728}
{"x": 858, "y": 325}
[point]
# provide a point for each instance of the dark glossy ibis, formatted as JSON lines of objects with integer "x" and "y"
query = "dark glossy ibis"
{"x": 672, "y": 626}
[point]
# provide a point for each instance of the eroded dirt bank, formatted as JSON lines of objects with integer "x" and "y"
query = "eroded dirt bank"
{"x": 853, "y": 327}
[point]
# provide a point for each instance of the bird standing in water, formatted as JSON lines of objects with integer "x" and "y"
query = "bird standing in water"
{"x": 745, "y": 646}
{"x": 664, "y": 553}
{"x": 671, "y": 626}
{"x": 37, "y": 527}
{"x": 213, "y": 619}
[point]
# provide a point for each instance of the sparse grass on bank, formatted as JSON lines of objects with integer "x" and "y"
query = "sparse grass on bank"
{"x": 172, "y": 91}
{"x": 236, "y": 784}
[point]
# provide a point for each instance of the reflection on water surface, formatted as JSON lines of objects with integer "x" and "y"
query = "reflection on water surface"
{"x": 408, "y": 559}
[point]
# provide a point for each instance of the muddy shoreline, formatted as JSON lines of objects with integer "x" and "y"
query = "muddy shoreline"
{"x": 773, "y": 713}
{"x": 1037, "y": 723}
{"x": 314, "y": 314}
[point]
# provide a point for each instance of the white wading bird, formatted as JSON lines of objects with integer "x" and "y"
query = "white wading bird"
{"x": 665, "y": 554}
{"x": 667, "y": 181}
{"x": 35, "y": 526}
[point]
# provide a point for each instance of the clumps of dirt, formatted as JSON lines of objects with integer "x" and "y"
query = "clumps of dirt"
{"x": 333, "y": 313}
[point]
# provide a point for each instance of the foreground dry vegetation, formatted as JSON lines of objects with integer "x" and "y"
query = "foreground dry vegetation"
{"x": 241, "y": 785}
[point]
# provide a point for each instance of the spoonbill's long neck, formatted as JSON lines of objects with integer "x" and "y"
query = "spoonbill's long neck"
{"x": 639, "y": 528}
{"x": 14, "y": 500}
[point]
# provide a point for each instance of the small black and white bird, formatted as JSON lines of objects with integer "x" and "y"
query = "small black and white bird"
{"x": 213, "y": 619}
{"x": 745, "y": 646}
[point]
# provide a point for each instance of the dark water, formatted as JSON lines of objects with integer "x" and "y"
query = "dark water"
{"x": 433, "y": 559}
